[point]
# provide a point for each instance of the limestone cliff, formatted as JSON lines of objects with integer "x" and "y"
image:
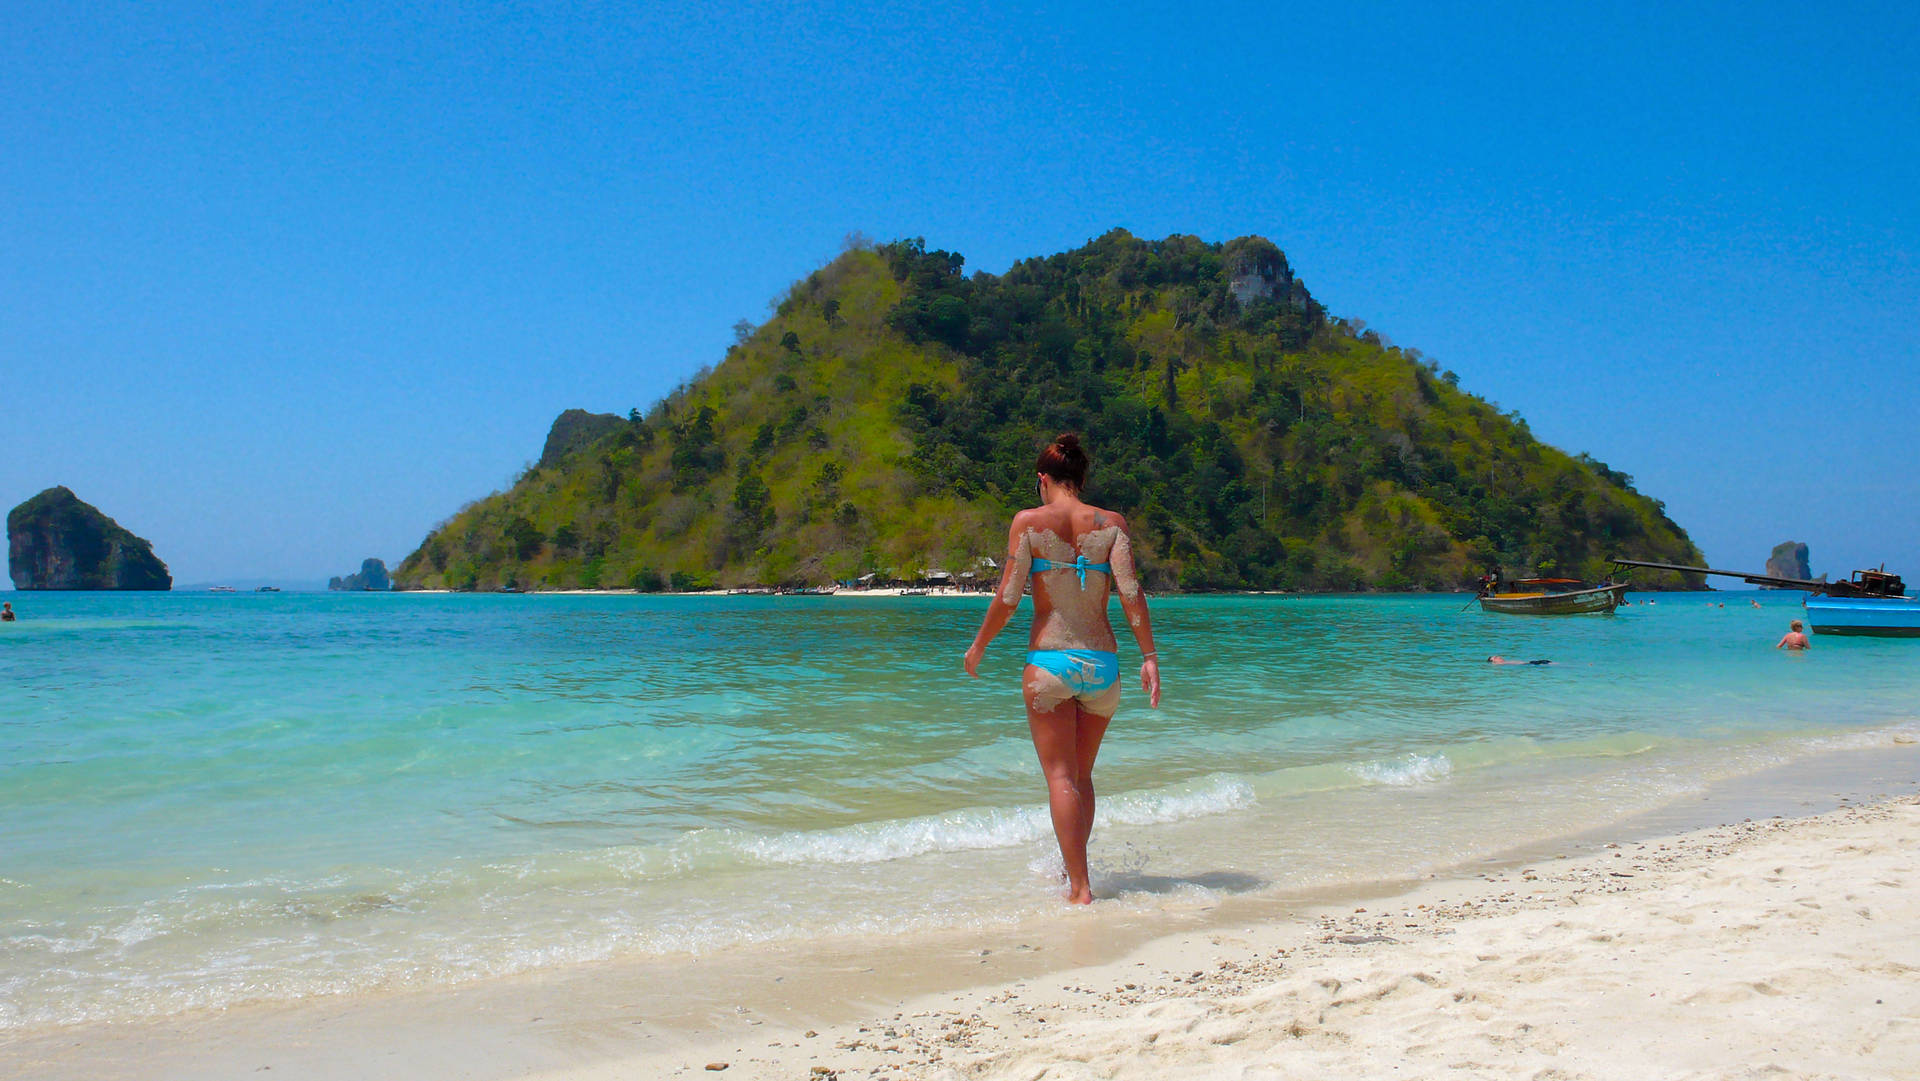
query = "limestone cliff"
{"x": 574, "y": 430}
{"x": 372, "y": 576}
{"x": 1789, "y": 560}
{"x": 55, "y": 541}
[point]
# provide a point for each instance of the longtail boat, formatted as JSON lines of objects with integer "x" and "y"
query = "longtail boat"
{"x": 1872, "y": 603}
{"x": 1550, "y": 597}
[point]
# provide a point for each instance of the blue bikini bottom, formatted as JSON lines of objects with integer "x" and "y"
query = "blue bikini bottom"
{"x": 1085, "y": 671}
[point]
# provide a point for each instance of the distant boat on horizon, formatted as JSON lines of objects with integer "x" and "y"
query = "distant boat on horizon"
{"x": 219, "y": 589}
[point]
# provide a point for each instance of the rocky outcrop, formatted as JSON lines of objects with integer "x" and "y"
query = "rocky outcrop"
{"x": 1257, "y": 270}
{"x": 575, "y": 430}
{"x": 1789, "y": 560}
{"x": 372, "y": 576}
{"x": 54, "y": 541}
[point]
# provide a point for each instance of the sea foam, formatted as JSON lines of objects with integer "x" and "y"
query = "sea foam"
{"x": 965, "y": 830}
{"x": 1408, "y": 769}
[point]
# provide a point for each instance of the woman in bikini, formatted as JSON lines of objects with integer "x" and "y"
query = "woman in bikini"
{"x": 1075, "y": 554}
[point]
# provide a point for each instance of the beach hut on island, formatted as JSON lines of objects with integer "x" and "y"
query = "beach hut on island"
{"x": 984, "y": 575}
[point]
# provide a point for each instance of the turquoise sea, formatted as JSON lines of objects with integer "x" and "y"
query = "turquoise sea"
{"x": 209, "y": 799}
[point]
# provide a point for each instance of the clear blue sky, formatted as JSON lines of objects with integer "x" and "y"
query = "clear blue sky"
{"x": 284, "y": 285}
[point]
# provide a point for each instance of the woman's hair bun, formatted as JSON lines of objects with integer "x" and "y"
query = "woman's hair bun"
{"x": 1065, "y": 461}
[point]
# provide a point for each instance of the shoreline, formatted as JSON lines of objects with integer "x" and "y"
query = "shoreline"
{"x": 1213, "y": 970}
{"x": 916, "y": 591}
{"x": 1270, "y": 975}
{"x": 1715, "y": 953}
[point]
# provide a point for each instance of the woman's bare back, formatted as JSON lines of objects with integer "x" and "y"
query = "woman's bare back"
{"x": 1070, "y": 598}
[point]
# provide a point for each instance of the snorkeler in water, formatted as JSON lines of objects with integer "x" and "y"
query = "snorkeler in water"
{"x": 1498, "y": 659}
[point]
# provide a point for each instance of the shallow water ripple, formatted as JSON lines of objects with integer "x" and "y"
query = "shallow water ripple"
{"x": 209, "y": 799}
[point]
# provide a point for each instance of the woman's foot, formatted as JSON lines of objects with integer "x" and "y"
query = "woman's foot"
{"x": 1081, "y": 896}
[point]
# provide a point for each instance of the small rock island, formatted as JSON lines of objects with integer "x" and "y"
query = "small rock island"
{"x": 372, "y": 576}
{"x": 1789, "y": 560}
{"x": 55, "y": 541}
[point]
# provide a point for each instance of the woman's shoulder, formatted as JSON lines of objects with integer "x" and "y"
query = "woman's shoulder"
{"x": 1030, "y": 522}
{"x": 1031, "y": 518}
{"x": 1104, "y": 518}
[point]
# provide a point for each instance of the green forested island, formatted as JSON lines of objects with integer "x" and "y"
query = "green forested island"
{"x": 885, "y": 420}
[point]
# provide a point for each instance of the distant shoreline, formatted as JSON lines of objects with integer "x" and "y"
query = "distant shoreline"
{"x": 882, "y": 591}
{"x": 910, "y": 591}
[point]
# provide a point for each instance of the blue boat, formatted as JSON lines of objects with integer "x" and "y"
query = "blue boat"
{"x": 1879, "y": 617}
{"x": 1871, "y": 603}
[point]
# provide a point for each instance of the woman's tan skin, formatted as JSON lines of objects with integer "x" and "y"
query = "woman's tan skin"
{"x": 1067, "y": 735}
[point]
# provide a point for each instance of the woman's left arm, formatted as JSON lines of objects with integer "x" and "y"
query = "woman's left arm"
{"x": 1133, "y": 602}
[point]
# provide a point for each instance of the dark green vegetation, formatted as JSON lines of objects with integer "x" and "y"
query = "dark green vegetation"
{"x": 54, "y": 541}
{"x": 887, "y": 417}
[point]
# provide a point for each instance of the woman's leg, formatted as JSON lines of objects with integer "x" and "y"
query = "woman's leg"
{"x": 1067, "y": 738}
{"x": 1090, "y": 729}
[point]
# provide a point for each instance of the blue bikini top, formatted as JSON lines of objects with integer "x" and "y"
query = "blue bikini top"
{"x": 1079, "y": 566}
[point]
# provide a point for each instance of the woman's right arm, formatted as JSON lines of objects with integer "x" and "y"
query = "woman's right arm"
{"x": 1006, "y": 596}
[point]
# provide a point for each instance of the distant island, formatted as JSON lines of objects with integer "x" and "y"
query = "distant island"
{"x": 885, "y": 420}
{"x": 1789, "y": 560}
{"x": 372, "y": 576}
{"x": 56, "y": 541}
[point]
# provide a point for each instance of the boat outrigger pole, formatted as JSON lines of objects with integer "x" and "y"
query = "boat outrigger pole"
{"x": 1876, "y": 583}
{"x": 1753, "y": 579}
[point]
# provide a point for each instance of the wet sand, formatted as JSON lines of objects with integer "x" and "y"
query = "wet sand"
{"x": 1771, "y": 946}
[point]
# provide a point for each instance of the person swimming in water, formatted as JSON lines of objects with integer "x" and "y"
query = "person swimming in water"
{"x": 1795, "y": 638}
{"x": 1075, "y": 553}
{"x": 1498, "y": 659}
{"x": 6, "y": 611}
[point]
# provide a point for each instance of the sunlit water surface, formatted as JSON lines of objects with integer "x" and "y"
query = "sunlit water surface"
{"x": 209, "y": 799}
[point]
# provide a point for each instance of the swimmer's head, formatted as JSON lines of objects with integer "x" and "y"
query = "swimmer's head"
{"x": 1495, "y": 659}
{"x": 1064, "y": 462}
{"x": 1794, "y": 625}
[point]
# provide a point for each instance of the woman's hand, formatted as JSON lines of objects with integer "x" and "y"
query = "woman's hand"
{"x": 972, "y": 659}
{"x": 1150, "y": 680}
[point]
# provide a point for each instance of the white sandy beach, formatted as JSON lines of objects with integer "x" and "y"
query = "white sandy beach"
{"x": 1775, "y": 948}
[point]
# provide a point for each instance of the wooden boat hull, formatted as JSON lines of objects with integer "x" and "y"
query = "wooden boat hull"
{"x": 1874, "y": 617}
{"x": 1598, "y": 601}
